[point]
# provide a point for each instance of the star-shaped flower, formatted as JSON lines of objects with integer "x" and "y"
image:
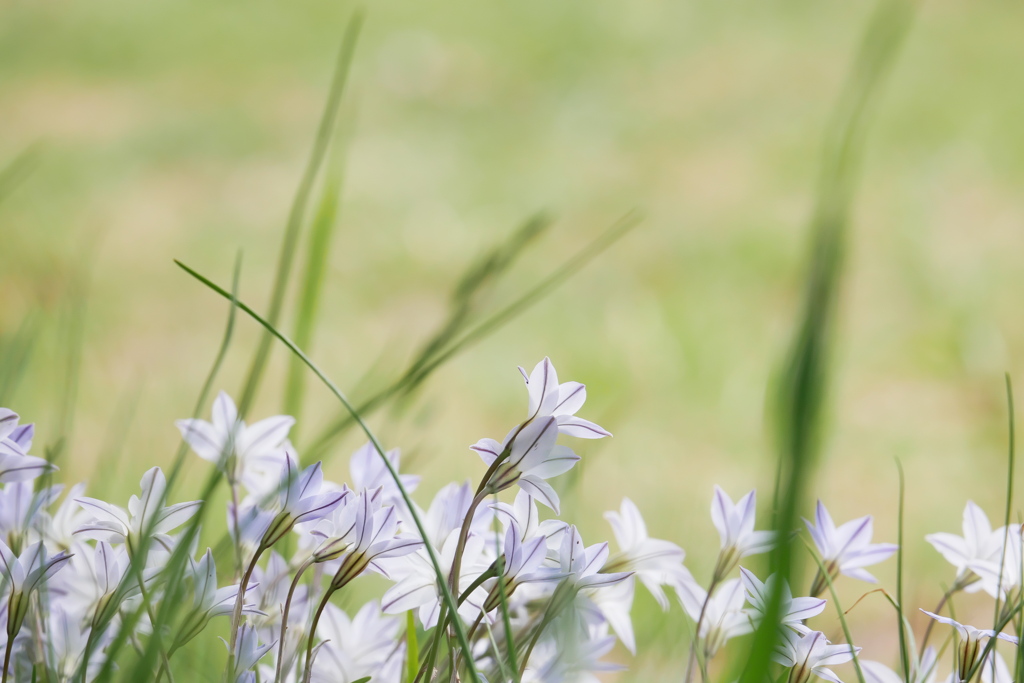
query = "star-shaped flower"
{"x": 792, "y": 611}
{"x": 979, "y": 545}
{"x": 147, "y": 514}
{"x": 15, "y": 440}
{"x": 970, "y": 642}
{"x": 809, "y": 654}
{"x": 655, "y": 561}
{"x": 561, "y": 401}
{"x": 735, "y": 524}
{"x": 246, "y": 453}
{"x": 721, "y": 615}
{"x": 846, "y": 549}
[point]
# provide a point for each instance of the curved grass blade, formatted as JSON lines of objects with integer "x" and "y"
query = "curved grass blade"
{"x": 1009, "y": 490}
{"x": 904, "y": 653}
{"x": 419, "y": 372}
{"x": 460, "y": 631}
{"x": 297, "y": 213}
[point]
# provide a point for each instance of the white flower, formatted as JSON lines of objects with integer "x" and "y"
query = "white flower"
{"x": 208, "y": 601}
{"x": 363, "y": 645}
{"x": 561, "y": 401}
{"x": 247, "y": 653}
{"x": 522, "y": 564}
{"x": 15, "y": 462}
{"x": 369, "y": 472}
{"x": 735, "y": 524}
{"x": 846, "y": 549}
{"x": 809, "y": 654}
{"x": 970, "y": 639}
{"x": 655, "y": 561}
{"x": 583, "y": 565}
{"x": 721, "y": 615}
{"x": 146, "y": 514}
{"x": 979, "y": 545}
{"x": 22, "y": 575}
{"x": 532, "y": 458}
{"x": 298, "y": 501}
{"x": 246, "y": 453}
{"x": 792, "y": 611}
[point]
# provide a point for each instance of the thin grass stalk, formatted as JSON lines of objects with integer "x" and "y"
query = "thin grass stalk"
{"x": 491, "y": 324}
{"x": 412, "y": 648}
{"x": 177, "y": 560}
{"x": 839, "y": 610}
{"x": 904, "y": 654}
{"x": 447, "y": 595}
{"x": 321, "y": 232}
{"x": 1010, "y": 458}
{"x": 297, "y": 213}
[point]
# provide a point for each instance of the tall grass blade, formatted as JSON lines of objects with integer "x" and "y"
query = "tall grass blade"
{"x": 449, "y": 600}
{"x": 297, "y": 214}
{"x": 901, "y": 623}
{"x": 321, "y": 232}
{"x": 803, "y": 380}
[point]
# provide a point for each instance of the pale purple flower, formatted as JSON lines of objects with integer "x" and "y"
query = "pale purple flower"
{"x": 373, "y": 536}
{"x": 533, "y": 458}
{"x": 809, "y": 654}
{"x": 22, "y": 575}
{"x": 15, "y": 440}
{"x": 248, "y": 652}
{"x": 145, "y": 514}
{"x": 583, "y": 565}
{"x": 656, "y": 562}
{"x": 523, "y": 513}
{"x": 67, "y": 638}
{"x": 363, "y": 645}
{"x": 921, "y": 671}
{"x": 522, "y": 564}
{"x": 561, "y": 401}
{"x": 970, "y": 642}
{"x": 735, "y": 525}
{"x": 298, "y": 501}
{"x": 69, "y": 517}
{"x": 208, "y": 600}
{"x": 1009, "y": 560}
{"x": 246, "y": 453}
{"x": 369, "y": 472}
{"x": 792, "y": 611}
{"x": 566, "y": 660}
{"x": 721, "y": 615}
{"x": 23, "y": 515}
{"x": 979, "y": 545}
{"x": 846, "y": 549}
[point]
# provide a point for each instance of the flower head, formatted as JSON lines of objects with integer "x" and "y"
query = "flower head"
{"x": 970, "y": 638}
{"x": 735, "y": 524}
{"x": 979, "y": 545}
{"x": 655, "y": 561}
{"x": 811, "y": 653}
{"x": 248, "y": 454}
{"x": 561, "y": 401}
{"x": 792, "y": 611}
{"x": 846, "y": 549}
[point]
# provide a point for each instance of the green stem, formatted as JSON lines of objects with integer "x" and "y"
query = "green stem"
{"x": 284, "y": 615}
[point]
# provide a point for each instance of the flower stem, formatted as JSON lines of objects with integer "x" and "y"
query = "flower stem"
{"x": 692, "y": 660}
{"x": 312, "y": 635}
{"x": 284, "y": 615}
{"x": 236, "y": 613}
{"x": 7, "y": 658}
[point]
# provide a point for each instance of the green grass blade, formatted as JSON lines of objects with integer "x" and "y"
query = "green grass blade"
{"x": 412, "y": 648}
{"x": 321, "y": 232}
{"x": 297, "y": 213}
{"x": 449, "y": 600}
{"x": 803, "y": 381}
{"x": 15, "y": 172}
{"x": 904, "y": 653}
{"x": 14, "y": 356}
{"x": 176, "y": 563}
{"x": 412, "y": 379}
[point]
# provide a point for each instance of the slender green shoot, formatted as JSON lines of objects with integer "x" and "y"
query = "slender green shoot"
{"x": 904, "y": 653}
{"x": 1010, "y": 460}
{"x": 460, "y": 631}
{"x": 296, "y": 216}
{"x": 839, "y": 610}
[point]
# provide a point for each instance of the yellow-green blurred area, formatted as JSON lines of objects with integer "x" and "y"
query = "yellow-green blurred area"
{"x": 179, "y": 129}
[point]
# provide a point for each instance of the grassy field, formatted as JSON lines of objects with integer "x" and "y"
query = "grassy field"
{"x": 168, "y": 130}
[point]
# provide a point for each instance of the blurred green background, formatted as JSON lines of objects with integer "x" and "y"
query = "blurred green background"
{"x": 179, "y": 130}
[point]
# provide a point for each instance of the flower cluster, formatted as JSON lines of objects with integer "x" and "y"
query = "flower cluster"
{"x": 486, "y": 583}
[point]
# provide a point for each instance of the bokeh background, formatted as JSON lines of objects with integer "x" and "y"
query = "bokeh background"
{"x": 179, "y": 129}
